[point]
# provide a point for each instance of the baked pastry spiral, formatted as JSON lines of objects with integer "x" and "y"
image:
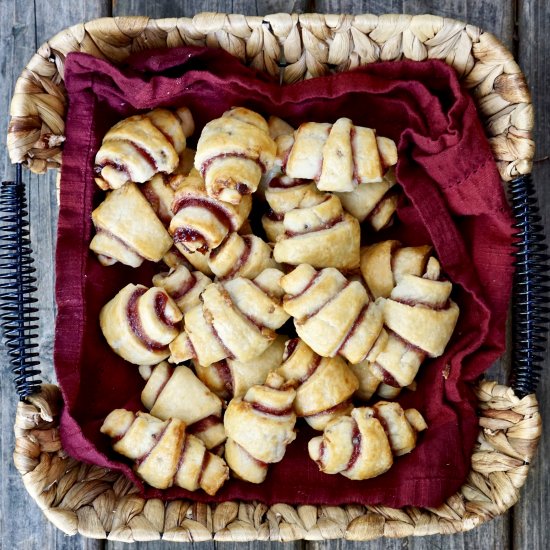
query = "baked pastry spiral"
{"x": 237, "y": 319}
{"x": 362, "y": 445}
{"x": 138, "y": 147}
{"x": 315, "y": 229}
{"x": 383, "y": 265}
{"x": 233, "y": 152}
{"x": 241, "y": 256}
{"x": 175, "y": 392}
{"x": 324, "y": 386}
{"x": 337, "y": 156}
{"x": 201, "y": 222}
{"x": 259, "y": 426}
{"x": 231, "y": 378}
{"x": 128, "y": 230}
{"x": 374, "y": 203}
{"x": 331, "y": 314}
{"x": 164, "y": 454}
{"x": 335, "y": 316}
{"x": 183, "y": 286}
{"x": 139, "y": 323}
{"x": 160, "y": 196}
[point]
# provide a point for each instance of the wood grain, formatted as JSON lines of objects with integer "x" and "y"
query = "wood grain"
{"x": 24, "y": 26}
{"x": 530, "y": 516}
{"x": 22, "y": 30}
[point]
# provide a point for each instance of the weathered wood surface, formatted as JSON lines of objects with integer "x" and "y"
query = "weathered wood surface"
{"x": 522, "y": 25}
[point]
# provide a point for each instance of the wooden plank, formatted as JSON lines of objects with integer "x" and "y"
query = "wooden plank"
{"x": 530, "y": 515}
{"x": 22, "y": 30}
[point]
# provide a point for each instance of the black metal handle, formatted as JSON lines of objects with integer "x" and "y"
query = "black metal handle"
{"x": 529, "y": 306}
{"x": 17, "y": 317}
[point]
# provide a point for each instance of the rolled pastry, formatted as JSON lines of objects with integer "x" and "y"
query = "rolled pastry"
{"x": 201, "y": 222}
{"x": 383, "y": 265}
{"x": 259, "y": 427}
{"x": 175, "y": 392}
{"x": 237, "y": 319}
{"x": 338, "y": 156}
{"x": 374, "y": 203}
{"x": 233, "y": 152}
{"x": 183, "y": 286}
{"x": 138, "y": 147}
{"x": 324, "y": 386}
{"x": 231, "y": 378}
{"x": 164, "y": 454}
{"x": 315, "y": 229}
{"x": 362, "y": 445}
{"x": 139, "y": 323}
{"x": 241, "y": 256}
{"x": 128, "y": 230}
{"x": 335, "y": 316}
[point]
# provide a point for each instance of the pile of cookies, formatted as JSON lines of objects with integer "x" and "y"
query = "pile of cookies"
{"x": 252, "y": 328}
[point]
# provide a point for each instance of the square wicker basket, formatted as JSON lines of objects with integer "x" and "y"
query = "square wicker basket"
{"x": 79, "y": 498}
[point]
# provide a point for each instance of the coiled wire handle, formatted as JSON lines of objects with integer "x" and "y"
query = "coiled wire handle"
{"x": 17, "y": 314}
{"x": 529, "y": 307}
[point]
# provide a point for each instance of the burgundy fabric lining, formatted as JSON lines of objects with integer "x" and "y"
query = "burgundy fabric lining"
{"x": 454, "y": 200}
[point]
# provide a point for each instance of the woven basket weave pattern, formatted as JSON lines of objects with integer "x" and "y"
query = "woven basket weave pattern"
{"x": 95, "y": 502}
{"x": 309, "y": 45}
{"x": 92, "y": 501}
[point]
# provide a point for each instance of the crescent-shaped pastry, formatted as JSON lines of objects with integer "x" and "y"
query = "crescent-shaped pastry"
{"x": 164, "y": 454}
{"x": 139, "y": 323}
{"x": 175, "y": 392}
{"x": 231, "y": 378}
{"x": 138, "y": 147}
{"x": 337, "y": 156}
{"x": 259, "y": 427}
{"x": 241, "y": 256}
{"x": 335, "y": 316}
{"x": 183, "y": 286}
{"x": 362, "y": 445}
{"x": 374, "y": 203}
{"x": 233, "y": 152}
{"x": 160, "y": 195}
{"x": 383, "y": 265}
{"x": 331, "y": 314}
{"x": 324, "y": 386}
{"x": 201, "y": 222}
{"x": 237, "y": 319}
{"x": 315, "y": 229}
{"x": 128, "y": 230}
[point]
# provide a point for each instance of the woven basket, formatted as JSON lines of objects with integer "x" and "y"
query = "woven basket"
{"x": 80, "y": 498}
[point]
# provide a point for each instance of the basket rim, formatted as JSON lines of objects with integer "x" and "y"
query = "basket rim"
{"x": 96, "y": 503}
{"x": 309, "y": 44}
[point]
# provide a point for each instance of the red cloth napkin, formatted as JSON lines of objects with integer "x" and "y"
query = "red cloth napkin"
{"x": 454, "y": 200}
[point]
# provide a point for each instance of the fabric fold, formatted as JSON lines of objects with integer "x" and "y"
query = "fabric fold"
{"x": 453, "y": 200}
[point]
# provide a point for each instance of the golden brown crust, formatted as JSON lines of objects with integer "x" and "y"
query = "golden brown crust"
{"x": 177, "y": 393}
{"x": 183, "y": 286}
{"x": 128, "y": 230}
{"x": 232, "y": 153}
{"x": 241, "y": 256}
{"x": 140, "y": 146}
{"x": 324, "y": 386}
{"x": 337, "y": 156}
{"x": 139, "y": 323}
{"x": 164, "y": 454}
{"x": 231, "y": 378}
{"x": 201, "y": 222}
{"x": 237, "y": 319}
{"x": 360, "y": 446}
{"x": 262, "y": 425}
